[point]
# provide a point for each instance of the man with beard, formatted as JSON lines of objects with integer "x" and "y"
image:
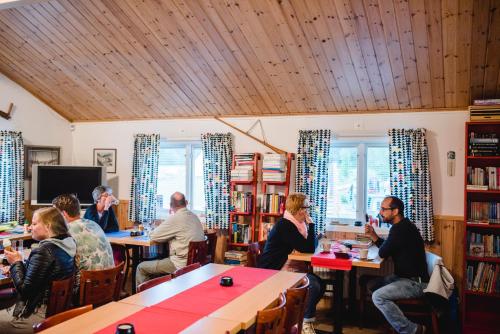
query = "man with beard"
{"x": 406, "y": 247}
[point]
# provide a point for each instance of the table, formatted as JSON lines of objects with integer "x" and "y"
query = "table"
{"x": 15, "y": 236}
{"x": 237, "y": 314}
{"x": 134, "y": 243}
{"x": 339, "y": 280}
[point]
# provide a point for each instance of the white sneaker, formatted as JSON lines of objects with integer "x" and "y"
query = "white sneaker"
{"x": 307, "y": 328}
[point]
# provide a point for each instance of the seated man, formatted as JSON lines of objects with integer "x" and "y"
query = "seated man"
{"x": 179, "y": 229}
{"x": 406, "y": 247}
{"x": 92, "y": 247}
{"x": 294, "y": 231}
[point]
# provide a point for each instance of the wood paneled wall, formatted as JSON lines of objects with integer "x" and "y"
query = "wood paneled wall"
{"x": 127, "y": 59}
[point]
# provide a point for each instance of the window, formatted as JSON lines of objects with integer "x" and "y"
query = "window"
{"x": 358, "y": 180}
{"x": 180, "y": 169}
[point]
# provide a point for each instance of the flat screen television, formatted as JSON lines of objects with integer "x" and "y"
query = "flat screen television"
{"x": 48, "y": 182}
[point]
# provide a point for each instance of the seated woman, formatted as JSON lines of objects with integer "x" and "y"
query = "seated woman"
{"x": 295, "y": 231}
{"x": 101, "y": 212}
{"x": 53, "y": 259}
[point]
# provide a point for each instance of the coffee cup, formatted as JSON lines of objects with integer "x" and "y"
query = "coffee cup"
{"x": 363, "y": 254}
{"x": 326, "y": 246}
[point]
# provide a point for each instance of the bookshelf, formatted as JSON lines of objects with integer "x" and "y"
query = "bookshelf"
{"x": 243, "y": 199}
{"x": 481, "y": 283}
{"x": 275, "y": 188}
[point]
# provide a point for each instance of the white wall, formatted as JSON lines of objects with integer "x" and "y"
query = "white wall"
{"x": 445, "y": 133}
{"x": 39, "y": 124}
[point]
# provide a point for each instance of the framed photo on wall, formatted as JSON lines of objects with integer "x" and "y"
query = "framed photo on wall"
{"x": 105, "y": 157}
{"x": 40, "y": 155}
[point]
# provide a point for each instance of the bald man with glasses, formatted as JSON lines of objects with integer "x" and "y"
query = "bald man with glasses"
{"x": 406, "y": 247}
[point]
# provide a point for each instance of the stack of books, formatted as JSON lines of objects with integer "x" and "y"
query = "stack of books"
{"x": 236, "y": 258}
{"x": 244, "y": 166}
{"x": 483, "y": 178}
{"x": 274, "y": 167}
{"x": 483, "y": 144}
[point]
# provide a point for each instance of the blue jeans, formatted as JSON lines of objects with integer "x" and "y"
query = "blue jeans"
{"x": 316, "y": 291}
{"x": 394, "y": 288}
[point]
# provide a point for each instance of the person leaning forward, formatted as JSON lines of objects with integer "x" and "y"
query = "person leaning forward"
{"x": 406, "y": 247}
{"x": 179, "y": 230}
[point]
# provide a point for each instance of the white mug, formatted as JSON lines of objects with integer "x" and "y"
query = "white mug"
{"x": 326, "y": 246}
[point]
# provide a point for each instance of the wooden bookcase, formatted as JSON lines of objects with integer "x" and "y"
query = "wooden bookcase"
{"x": 270, "y": 213}
{"x": 242, "y": 216}
{"x": 481, "y": 299}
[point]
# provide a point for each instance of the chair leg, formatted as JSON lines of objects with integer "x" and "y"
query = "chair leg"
{"x": 362, "y": 300}
{"x": 435, "y": 323}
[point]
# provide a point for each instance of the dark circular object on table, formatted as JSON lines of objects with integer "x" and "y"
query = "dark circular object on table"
{"x": 226, "y": 281}
{"x": 125, "y": 328}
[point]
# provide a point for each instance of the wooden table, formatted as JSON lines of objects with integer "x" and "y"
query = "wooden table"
{"x": 134, "y": 243}
{"x": 238, "y": 314}
{"x": 339, "y": 280}
{"x": 16, "y": 236}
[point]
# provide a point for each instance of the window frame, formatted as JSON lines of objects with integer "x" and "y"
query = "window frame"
{"x": 362, "y": 145}
{"x": 189, "y": 146}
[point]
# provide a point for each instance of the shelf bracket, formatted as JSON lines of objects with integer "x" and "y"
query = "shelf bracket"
{"x": 6, "y": 115}
{"x": 263, "y": 142}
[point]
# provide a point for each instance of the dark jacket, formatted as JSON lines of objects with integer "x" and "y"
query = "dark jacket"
{"x": 52, "y": 260}
{"x": 283, "y": 238}
{"x": 108, "y": 221}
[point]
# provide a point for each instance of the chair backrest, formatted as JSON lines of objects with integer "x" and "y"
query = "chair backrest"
{"x": 186, "y": 269}
{"x": 119, "y": 253}
{"x": 197, "y": 252}
{"x": 271, "y": 320}
{"x": 153, "y": 282}
{"x": 60, "y": 295}
{"x": 295, "y": 306}
{"x": 253, "y": 254}
{"x": 60, "y": 317}
{"x": 212, "y": 244}
{"x": 99, "y": 287}
{"x": 432, "y": 259}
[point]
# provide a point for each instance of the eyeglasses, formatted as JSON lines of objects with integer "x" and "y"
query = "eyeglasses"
{"x": 385, "y": 209}
{"x": 305, "y": 207}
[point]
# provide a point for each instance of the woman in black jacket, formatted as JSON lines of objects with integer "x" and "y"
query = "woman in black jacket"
{"x": 102, "y": 211}
{"x": 53, "y": 259}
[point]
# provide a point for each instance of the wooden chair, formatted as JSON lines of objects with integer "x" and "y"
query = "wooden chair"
{"x": 61, "y": 292}
{"x": 153, "y": 282}
{"x": 61, "y": 317}
{"x": 419, "y": 307}
{"x": 197, "y": 252}
{"x": 212, "y": 244}
{"x": 271, "y": 320}
{"x": 295, "y": 307}
{"x": 98, "y": 287}
{"x": 8, "y": 297}
{"x": 186, "y": 269}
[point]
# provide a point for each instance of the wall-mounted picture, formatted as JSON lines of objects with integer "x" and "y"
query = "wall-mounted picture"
{"x": 105, "y": 157}
{"x": 40, "y": 155}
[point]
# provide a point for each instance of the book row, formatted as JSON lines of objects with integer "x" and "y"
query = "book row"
{"x": 273, "y": 203}
{"x": 483, "y": 277}
{"x": 488, "y": 177}
{"x": 241, "y": 201}
{"x": 241, "y": 233}
{"x": 483, "y": 244}
{"x": 484, "y": 211}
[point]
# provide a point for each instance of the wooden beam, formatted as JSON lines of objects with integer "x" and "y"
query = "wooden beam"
{"x": 275, "y": 149}
{"x": 6, "y": 115}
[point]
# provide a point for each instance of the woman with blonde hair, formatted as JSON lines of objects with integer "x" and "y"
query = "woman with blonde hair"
{"x": 294, "y": 231}
{"x": 52, "y": 260}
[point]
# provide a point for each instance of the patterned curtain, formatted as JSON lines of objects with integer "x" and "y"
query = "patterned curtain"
{"x": 11, "y": 176}
{"x": 142, "y": 207}
{"x": 217, "y": 161}
{"x": 312, "y": 172}
{"x": 410, "y": 177}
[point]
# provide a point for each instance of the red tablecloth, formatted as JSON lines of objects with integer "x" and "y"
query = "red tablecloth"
{"x": 182, "y": 310}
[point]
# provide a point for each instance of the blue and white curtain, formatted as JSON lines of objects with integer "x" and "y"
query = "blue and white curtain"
{"x": 142, "y": 207}
{"x": 312, "y": 172}
{"x": 217, "y": 161}
{"x": 11, "y": 176}
{"x": 410, "y": 177}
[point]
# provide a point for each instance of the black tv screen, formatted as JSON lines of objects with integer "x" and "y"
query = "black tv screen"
{"x": 52, "y": 181}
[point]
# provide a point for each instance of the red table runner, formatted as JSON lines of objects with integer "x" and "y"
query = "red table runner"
{"x": 330, "y": 261}
{"x": 182, "y": 310}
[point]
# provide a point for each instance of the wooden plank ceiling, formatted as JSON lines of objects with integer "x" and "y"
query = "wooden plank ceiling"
{"x": 129, "y": 59}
